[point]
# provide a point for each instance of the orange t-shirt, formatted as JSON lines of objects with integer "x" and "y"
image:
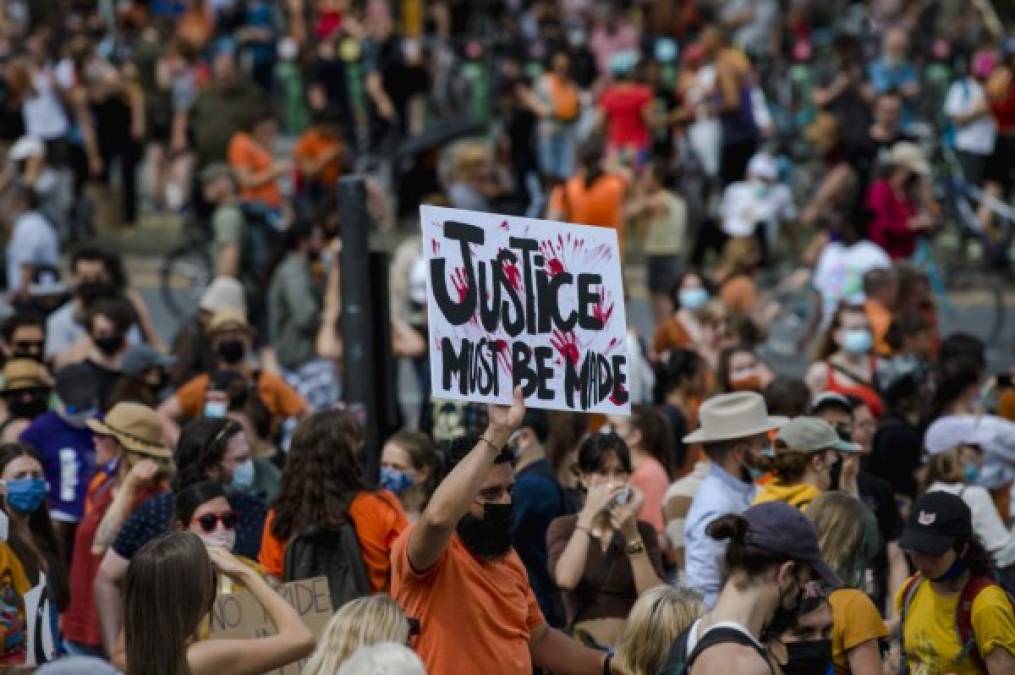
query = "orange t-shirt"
{"x": 880, "y": 320}
{"x": 739, "y": 294}
{"x": 278, "y": 397}
{"x": 245, "y": 153}
{"x": 476, "y": 616}
{"x": 600, "y": 205}
{"x": 312, "y": 145}
{"x": 378, "y": 519}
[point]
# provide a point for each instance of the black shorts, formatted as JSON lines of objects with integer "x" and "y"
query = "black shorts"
{"x": 1001, "y": 167}
{"x": 662, "y": 273}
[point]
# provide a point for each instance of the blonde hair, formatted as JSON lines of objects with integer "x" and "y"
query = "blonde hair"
{"x": 656, "y": 620}
{"x": 944, "y": 467}
{"x": 364, "y": 621}
{"x": 847, "y": 534}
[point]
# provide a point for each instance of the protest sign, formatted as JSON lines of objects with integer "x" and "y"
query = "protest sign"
{"x": 240, "y": 616}
{"x": 516, "y": 301}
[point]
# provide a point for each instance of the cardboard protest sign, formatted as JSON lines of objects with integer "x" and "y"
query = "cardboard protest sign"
{"x": 240, "y": 616}
{"x": 533, "y": 303}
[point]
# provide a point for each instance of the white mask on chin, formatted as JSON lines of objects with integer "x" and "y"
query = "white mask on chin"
{"x": 222, "y": 538}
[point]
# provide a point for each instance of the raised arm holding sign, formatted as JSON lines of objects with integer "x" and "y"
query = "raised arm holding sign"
{"x": 528, "y": 303}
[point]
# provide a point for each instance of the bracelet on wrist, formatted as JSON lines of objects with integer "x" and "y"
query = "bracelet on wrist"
{"x": 483, "y": 439}
{"x": 635, "y": 547}
{"x": 583, "y": 528}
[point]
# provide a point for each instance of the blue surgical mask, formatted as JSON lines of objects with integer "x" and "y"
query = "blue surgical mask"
{"x": 243, "y": 475}
{"x": 216, "y": 409}
{"x": 25, "y": 495}
{"x": 395, "y": 480}
{"x": 858, "y": 341}
{"x": 970, "y": 472}
{"x": 693, "y": 298}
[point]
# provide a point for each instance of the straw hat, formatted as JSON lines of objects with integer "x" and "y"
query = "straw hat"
{"x": 729, "y": 416}
{"x": 136, "y": 426}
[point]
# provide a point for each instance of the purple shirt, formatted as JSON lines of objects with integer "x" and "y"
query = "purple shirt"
{"x": 67, "y": 454}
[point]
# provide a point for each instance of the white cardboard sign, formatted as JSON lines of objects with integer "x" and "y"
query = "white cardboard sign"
{"x": 515, "y": 301}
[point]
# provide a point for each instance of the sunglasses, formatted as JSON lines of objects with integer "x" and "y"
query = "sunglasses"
{"x": 209, "y": 521}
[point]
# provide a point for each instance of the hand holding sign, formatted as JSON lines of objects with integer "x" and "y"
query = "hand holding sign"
{"x": 517, "y": 302}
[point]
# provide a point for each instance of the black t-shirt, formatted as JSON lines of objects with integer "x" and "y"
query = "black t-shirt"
{"x": 898, "y": 446}
{"x": 678, "y": 423}
{"x": 877, "y": 495}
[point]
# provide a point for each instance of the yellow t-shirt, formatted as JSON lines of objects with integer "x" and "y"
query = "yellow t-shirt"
{"x": 931, "y": 639}
{"x": 855, "y": 620}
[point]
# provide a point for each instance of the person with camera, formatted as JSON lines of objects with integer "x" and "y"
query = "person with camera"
{"x": 603, "y": 558}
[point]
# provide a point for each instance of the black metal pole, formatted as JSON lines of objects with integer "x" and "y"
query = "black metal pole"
{"x": 370, "y": 374}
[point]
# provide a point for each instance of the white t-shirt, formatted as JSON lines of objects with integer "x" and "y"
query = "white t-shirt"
{"x": 44, "y": 114}
{"x": 839, "y": 273}
{"x": 987, "y": 524}
{"x": 977, "y": 136}
{"x": 746, "y": 204}
{"x": 33, "y": 242}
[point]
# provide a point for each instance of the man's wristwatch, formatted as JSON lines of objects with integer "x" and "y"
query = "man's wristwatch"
{"x": 635, "y": 547}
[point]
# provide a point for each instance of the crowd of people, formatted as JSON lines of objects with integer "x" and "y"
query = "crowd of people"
{"x": 848, "y": 509}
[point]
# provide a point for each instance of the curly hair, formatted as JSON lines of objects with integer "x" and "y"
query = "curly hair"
{"x": 322, "y": 474}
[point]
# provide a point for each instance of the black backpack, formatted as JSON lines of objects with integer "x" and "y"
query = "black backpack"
{"x": 679, "y": 662}
{"x": 331, "y": 553}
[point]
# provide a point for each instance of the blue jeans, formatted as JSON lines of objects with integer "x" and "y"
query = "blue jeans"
{"x": 556, "y": 152}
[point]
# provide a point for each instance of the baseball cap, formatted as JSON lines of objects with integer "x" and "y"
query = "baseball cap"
{"x": 781, "y": 528}
{"x": 810, "y": 434}
{"x": 830, "y": 399}
{"x": 937, "y": 521}
{"x": 763, "y": 165}
{"x": 216, "y": 170}
{"x": 140, "y": 358}
{"x": 223, "y": 293}
{"x": 77, "y": 387}
{"x": 952, "y": 431}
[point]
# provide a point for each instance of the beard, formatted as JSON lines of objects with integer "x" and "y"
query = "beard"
{"x": 488, "y": 537}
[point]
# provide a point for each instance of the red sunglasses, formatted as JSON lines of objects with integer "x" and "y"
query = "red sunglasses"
{"x": 209, "y": 520}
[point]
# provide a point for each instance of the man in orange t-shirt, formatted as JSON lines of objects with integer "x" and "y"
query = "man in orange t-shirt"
{"x": 318, "y": 155}
{"x": 456, "y": 573}
{"x": 880, "y": 288}
{"x": 249, "y": 155}
{"x": 593, "y": 197}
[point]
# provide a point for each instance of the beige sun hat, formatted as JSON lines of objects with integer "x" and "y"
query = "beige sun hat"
{"x": 137, "y": 427}
{"x": 911, "y": 156}
{"x": 729, "y": 416}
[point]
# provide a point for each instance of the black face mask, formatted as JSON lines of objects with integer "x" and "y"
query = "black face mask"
{"x": 232, "y": 351}
{"x": 109, "y": 344}
{"x": 784, "y": 618}
{"x": 28, "y": 409}
{"x": 488, "y": 537}
{"x": 811, "y": 657}
{"x": 836, "y": 473}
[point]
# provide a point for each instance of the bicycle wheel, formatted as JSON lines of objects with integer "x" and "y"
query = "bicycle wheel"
{"x": 186, "y": 273}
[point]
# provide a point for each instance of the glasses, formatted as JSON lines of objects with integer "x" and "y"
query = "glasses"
{"x": 209, "y": 521}
{"x": 30, "y": 346}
